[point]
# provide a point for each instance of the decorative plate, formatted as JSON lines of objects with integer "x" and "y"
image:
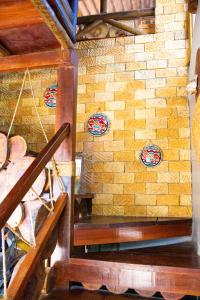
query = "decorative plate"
{"x": 50, "y": 96}
{"x": 98, "y": 124}
{"x": 151, "y": 156}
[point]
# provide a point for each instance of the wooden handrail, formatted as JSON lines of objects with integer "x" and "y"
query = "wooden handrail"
{"x": 31, "y": 259}
{"x": 23, "y": 185}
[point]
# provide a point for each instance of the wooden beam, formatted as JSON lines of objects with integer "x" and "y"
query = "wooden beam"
{"x": 192, "y": 6}
{"x": 125, "y": 27}
{"x": 104, "y": 6}
{"x": 87, "y": 29}
{"x": 35, "y": 60}
{"x": 125, "y": 15}
{"x": 74, "y": 6}
{"x": 53, "y": 23}
{"x": 66, "y": 112}
{"x": 28, "y": 178}
{"x": 31, "y": 259}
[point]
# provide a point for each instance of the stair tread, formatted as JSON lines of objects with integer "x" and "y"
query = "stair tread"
{"x": 181, "y": 255}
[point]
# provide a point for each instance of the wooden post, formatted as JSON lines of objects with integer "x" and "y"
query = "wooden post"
{"x": 66, "y": 112}
{"x": 104, "y": 6}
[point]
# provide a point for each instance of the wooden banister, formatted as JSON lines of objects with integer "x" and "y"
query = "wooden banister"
{"x": 17, "y": 193}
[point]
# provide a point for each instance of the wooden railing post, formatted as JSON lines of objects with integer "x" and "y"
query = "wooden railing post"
{"x": 66, "y": 112}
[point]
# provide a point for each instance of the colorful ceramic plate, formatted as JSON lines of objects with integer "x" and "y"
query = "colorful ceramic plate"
{"x": 98, "y": 124}
{"x": 50, "y": 96}
{"x": 151, "y": 156}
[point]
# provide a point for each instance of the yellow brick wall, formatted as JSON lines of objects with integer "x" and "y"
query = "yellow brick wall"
{"x": 139, "y": 82}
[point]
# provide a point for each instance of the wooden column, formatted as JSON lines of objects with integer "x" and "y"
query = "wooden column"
{"x": 66, "y": 112}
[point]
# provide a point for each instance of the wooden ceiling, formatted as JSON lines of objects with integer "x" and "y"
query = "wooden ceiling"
{"x": 92, "y": 7}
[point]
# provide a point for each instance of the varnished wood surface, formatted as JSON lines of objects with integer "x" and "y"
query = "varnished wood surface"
{"x": 96, "y": 230}
{"x": 174, "y": 271}
{"x": 26, "y": 181}
{"x": 80, "y": 294}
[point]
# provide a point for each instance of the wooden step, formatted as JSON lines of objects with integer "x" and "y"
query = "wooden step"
{"x": 170, "y": 270}
{"x": 95, "y": 230}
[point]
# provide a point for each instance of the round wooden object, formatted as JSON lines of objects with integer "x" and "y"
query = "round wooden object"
{"x": 3, "y": 149}
{"x": 17, "y": 147}
{"x": 39, "y": 214}
{"x": 171, "y": 296}
{"x": 145, "y": 293}
{"x": 16, "y": 170}
{"x": 35, "y": 283}
{"x": 17, "y": 216}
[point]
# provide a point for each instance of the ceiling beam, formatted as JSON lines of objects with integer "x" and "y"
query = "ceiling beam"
{"x": 125, "y": 27}
{"x": 125, "y": 15}
{"x": 36, "y": 60}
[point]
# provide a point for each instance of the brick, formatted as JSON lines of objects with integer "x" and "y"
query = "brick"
{"x": 136, "y": 65}
{"x": 144, "y": 113}
{"x": 116, "y": 167}
{"x": 158, "y": 102}
{"x": 166, "y": 112}
{"x": 115, "y": 86}
{"x": 124, "y": 178}
{"x": 109, "y": 210}
{"x": 157, "y": 211}
{"x": 186, "y": 200}
{"x": 167, "y": 132}
{"x": 145, "y": 56}
{"x": 170, "y": 154}
{"x": 104, "y": 60}
{"x": 178, "y": 44}
{"x": 132, "y": 188}
{"x": 177, "y": 81}
{"x": 168, "y": 200}
{"x": 144, "y": 38}
{"x": 181, "y": 188}
{"x": 96, "y": 70}
{"x": 156, "y": 188}
{"x": 154, "y": 83}
{"x": 135, "y": 211}
{"x": 103, "y": 199}
{"x": 103, "y": 178}
{"x": 81, "y": 108}
{"x": 104, "y": 77}
{"x": 185, "y": 154}
{"x": 168, "y": 177}
{"x": 115, "y": 68}
{"x": 185, "y": 177}
{"x": 179, "y": 143}
{"x": 124, "y": 76}
{"x": 111, "y": 188}
{"x": 123, "y": 135}
{"x": 113, "y": 145}
{"x": 135, "y": 104}
{"x": 132, "y": 124}
{"x": 144, "y": 94}
{"x": 91, "y": 107}
{"x": 134, "y": 48}
{"x": 117, "y": 125}
{"x": 136, "y": 84}
{"x": 146, "y": 177}
{"x": 102, "y": 156}
{"x": 167, "y": 72}
{"x": 151, "y": 47}
{"x": 116, "y": 105}
{"x": 156, "y": 123}
{"x": 93, "y": 147}
{"x": 145, "y": 199}
{"x": 166, "y": 92}
{"x": 124, "y": 200}
{"x": 177, "y": 101}
{"x": 180, "y": 211}
{"x": 124, "y": 115}
{"x": 145, "y": 134}
{"x": 179, "y": 166}
{"x": 124, "y": 156}
{"x": 97, "y": 210}
{"x": 131, "y": 144}
{"x": 145, "y": 74}
{"x": 157, "y": 64}
{"x": 81, "y": 88}
{"x": 102, "y": 96}
{"x": 96, "y": 167}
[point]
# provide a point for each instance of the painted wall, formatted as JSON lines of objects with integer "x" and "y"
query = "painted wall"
{"x": 139, "y": 82}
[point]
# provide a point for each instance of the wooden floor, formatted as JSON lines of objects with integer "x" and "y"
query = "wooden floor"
{"x": 96, "y": 230}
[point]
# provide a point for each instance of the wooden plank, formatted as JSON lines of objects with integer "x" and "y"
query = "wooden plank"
{"x": 18, "y": 13}
{"x": 125, "y": 15}
{"x": 25, "y": 182}
{"x": 34, "y": 255}
{"x": 36, "y": 60}
{"x": 49, "y": 17}
{"x": 3, "y": 51}
{"x": 119, "y": 233}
